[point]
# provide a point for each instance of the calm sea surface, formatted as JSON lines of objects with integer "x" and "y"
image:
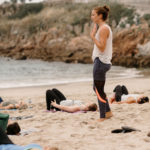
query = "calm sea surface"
{"x": 21, "y": 73}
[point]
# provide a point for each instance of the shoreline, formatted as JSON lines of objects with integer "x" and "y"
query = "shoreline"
{"x": 75, "y": 82}
{"x": 23, "y": 91}
{"x": 17, "y": 73}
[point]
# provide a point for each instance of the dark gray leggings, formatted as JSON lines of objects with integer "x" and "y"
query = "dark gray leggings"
{"x": 99, "y": 75}
{"x": 102, "y": 99}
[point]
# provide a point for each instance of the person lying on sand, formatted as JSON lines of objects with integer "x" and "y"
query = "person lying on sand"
{"x": 74, "y": 106}
{"x": 12, "y": 104}
{"x": 13, "y": 128}
{"x": 121, "y": 96}
{"x": 7, "y": 144}
{"x": 56, "y": 100}
{"x": 10, "y": 127}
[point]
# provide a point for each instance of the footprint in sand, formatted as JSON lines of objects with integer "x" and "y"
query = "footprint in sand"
{"x": 74, "y": 135}
{"x": 147, "y": 140}
{"x": 84, "y": 122}
{"x": 91, "y": 127}
{"x": 62, "y": 119}
{"x": 92, "y": 118}
{"x": 54, "y": 119}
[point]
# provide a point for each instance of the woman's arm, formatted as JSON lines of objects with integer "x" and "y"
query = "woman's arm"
{"x": 104, "y": 33}
{"x": 112, "y": 98}
{"x": 66, "y": 108}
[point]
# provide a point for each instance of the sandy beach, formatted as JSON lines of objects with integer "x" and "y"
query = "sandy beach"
{"x": 79, "y": 131}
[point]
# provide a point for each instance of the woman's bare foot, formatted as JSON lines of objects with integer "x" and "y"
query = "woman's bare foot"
{"x": 101, "y": 119}
{"x": 109, "y": 114}
{"x": 98, "y": 120}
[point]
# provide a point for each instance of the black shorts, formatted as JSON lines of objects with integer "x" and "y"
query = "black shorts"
{"x": 100, "y": 69}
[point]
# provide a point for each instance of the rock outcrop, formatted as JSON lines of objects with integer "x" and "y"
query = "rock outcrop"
{"x": 131, "y": 47}
{"x": 49, "y": 46}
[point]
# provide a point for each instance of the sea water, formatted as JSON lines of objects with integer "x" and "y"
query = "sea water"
{"x": 22, "y": 73}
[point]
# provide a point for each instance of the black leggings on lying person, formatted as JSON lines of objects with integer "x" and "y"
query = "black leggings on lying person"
{"x": 52, "y": 95}
{"x": 119, "y": 91}
{"x": 4, "y": 139}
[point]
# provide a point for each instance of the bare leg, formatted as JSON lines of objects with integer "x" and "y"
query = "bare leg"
{"x": 10, "y": 106}
{"x": 50, "y": 148}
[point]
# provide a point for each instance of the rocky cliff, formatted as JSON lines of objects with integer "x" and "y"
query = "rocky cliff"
{"x": 49, "y": 46}
{"x": 131, "y": 47}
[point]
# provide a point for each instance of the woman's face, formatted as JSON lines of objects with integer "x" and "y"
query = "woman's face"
{"x": 95, "y": 17}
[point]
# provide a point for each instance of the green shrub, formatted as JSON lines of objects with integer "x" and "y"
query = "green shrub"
{"x": 130, "y": 20}
{"x": 27, "y": 9}
{"x": 34, "y": 25}
{"x": 122, "y": 25}
{"x": 146, "y": 17}
{"x": 5, "y": 29}
{"x": 61, "y": 15}
{"x": 119, "y": 11}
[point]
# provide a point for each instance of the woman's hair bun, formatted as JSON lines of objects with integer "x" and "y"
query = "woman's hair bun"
{"x": 106, "y": 8}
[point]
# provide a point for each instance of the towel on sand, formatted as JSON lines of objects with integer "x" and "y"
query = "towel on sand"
{"x": 16, "y": 147}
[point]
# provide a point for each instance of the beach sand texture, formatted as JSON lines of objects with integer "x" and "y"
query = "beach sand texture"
{"x": 79, "y": 131}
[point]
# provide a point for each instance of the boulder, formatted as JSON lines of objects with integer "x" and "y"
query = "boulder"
{"x": 131, "y": 47}
{"x": 144, "y": 49}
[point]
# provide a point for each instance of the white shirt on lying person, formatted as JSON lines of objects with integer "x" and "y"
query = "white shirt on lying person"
{"x": 125, "y": 97}
{"x": 71, "y": 103}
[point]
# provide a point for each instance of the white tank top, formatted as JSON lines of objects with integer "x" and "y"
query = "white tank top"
{"x": 105, "y": 56}
{"x": 71, "y": 103}
{"x": 125, "y": 97}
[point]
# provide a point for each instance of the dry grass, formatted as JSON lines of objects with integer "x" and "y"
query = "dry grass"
{"x": 59, "y": 15}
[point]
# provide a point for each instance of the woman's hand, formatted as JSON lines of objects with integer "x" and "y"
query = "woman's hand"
{"x": 54, "y": 103}
{"x": 93, "y": 32}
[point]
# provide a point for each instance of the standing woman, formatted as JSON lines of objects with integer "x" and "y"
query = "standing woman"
{"x": 102, "y": 55}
